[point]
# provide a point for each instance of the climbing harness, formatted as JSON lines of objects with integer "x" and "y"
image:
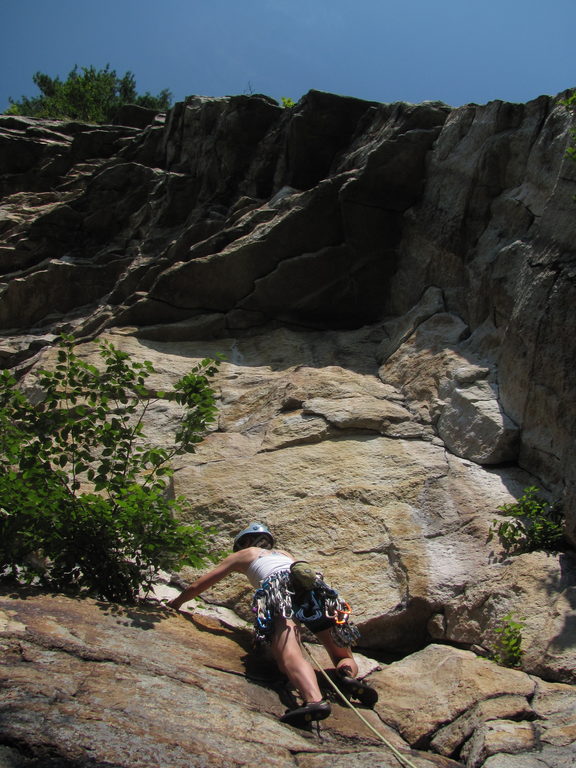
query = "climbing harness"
{"x": 397, "y": 754}
{"x": 296, "y": 594}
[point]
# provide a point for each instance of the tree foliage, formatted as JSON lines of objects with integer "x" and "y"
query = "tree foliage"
{"x": 536, "y": 524}
{"x": 83, "y": 502}
{"x": 91, "y": 95}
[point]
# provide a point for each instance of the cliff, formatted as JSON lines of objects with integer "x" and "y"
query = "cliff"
{"x": 392, "y": 287}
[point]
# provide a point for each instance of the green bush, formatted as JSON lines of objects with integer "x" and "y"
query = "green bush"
{"x": 508, "y": 650}
{"x": 83, "y": 494}
{"x": 93, "y": 95}
{"x": 537, "y": 524}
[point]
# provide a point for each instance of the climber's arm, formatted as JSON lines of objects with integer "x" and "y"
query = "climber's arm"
{"x": 232, "y": 563}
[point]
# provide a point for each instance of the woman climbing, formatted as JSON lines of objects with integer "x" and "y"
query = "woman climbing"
{"x": 289, "y": 593}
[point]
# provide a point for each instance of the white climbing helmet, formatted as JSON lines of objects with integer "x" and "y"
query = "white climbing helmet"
{"x": 254, "y": 529}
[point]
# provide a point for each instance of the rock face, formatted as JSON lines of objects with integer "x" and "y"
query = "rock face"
{"x": 392, "y": 288}
{"x": 349, "y": 475}
{"x": 236, "y": 215}
{"x": 87, "y": 683}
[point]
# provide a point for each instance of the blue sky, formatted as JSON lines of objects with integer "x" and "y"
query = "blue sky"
{"x": 456, "y": 51}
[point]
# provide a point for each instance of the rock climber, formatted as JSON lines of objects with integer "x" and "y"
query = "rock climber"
{"x": 290, "y": 593}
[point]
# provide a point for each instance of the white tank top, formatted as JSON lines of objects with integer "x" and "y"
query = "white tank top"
{"x": 265, "y": 565}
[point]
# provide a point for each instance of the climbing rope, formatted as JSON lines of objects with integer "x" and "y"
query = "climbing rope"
{"x": 397, "y": 754}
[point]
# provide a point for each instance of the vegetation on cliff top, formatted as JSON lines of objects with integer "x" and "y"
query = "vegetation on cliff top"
{"x": 83, "y": 494}
{"x": 91, "y": 95}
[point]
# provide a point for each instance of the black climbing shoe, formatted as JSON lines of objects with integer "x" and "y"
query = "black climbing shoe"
{"x": 357, "y": 689}
{"x": 315, "y": 710}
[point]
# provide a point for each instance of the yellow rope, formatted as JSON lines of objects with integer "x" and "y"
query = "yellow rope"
{"x": 398, "y": 755}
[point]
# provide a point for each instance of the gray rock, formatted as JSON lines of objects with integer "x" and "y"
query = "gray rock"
{"x": 473, "y": 425}
{"x": 135, "y": 116}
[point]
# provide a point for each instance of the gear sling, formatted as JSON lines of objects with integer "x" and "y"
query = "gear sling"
{"x": 301, "y": 594}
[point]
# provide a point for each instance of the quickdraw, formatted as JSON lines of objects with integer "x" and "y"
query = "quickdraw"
{"x": 273, "y": 598}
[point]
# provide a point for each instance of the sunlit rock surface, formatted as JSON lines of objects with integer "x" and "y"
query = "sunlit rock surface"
{"x": 87, "y": 683}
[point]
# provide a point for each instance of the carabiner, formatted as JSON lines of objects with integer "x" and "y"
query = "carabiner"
{"x": 342, "y": 613}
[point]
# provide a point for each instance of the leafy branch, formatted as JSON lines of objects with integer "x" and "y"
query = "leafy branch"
{"x": 536, "y": 524}
{"x": 83, "y": 491}
{"x": 570, "y": 103}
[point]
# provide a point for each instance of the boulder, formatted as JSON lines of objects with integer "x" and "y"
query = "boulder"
{"x": 472, "y": 423}
{"x": 456, "y": 704}
{"x": 538, "y": 590}
{"x": 423, "y": 692}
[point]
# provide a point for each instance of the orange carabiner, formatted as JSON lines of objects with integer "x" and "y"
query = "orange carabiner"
{"x": 342, "y": 614}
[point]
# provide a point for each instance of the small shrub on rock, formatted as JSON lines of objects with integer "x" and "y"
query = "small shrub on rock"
{"x": 537, "y": 524}
{"x": 570, "y": 102}
{"x": 508, "y": 646}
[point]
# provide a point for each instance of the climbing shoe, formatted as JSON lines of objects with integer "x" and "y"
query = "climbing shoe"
{"x": 357, "y": 689}
{"x": 300, "y": 716}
